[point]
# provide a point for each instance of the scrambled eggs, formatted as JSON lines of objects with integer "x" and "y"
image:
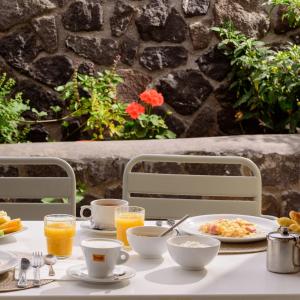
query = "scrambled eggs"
{"x": 229, "y": 228}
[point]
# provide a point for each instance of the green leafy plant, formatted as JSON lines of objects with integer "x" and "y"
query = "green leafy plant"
{"x": 266, "y": 82}
{"x": 80, "y": 192}
{"x": 291, "y": 11}
{"x": 11, "y": 110}
{"x": 93, "y": 101}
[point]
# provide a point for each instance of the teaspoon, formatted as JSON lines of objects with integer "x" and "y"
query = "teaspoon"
{"x": 50, "y": 260}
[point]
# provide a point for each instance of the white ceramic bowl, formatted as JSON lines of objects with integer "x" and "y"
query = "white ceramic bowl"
{"x": 145, "y": 240}
{"x": 193, "y": 258}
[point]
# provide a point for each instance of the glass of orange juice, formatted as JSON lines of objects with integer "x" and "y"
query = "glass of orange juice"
{"x": 127, "y": 217}
{"x": 60, "y": 231}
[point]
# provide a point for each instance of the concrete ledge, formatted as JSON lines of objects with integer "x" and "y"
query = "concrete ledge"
{"x": 100, "y": 165}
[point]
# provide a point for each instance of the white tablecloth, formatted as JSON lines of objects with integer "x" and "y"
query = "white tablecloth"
{"x": 241, "y": 276}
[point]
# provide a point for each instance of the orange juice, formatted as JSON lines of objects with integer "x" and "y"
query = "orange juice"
{"x": 60, "y": 238}
{"x": 127, "y": 220}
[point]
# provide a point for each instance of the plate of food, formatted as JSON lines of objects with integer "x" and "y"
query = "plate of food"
{"x": 8, "y": 226}
{"x": 230, "y": 228}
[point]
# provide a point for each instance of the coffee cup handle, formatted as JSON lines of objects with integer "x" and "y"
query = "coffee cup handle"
{"x": 124, "y": 256}
{"x": 82, "y": 209}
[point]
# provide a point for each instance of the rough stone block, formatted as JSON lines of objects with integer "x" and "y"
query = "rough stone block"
{"x": 87, "y": 68}
{"x": 204, "y": 124}
{"x": 157, "y": 58}
{"x": 121, "y": 19}
{"x": 193, "y": 8}
{"x": 14, "y": 12}
{"x": 249, "y": 17}
{"x": 158, "y": 23}
{"x": 174, "y": 123}
{"x": 20, "y": 48}
{"x": 129, "y": 50}
{"x": 46, "y": 29}
{"x": 184, "y": 90}
{"x": 83, "y": 15}
{"x": 201, "y": 35}
{"x": 214, "y": 64}
{"x": 100, "y": 51}
{"x": 52, "y": 70}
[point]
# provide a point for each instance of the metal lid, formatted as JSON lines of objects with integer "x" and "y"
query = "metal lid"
{"x": 282, "y": 234}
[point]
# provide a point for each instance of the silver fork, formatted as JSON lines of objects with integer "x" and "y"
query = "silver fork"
{"x": 37, "y": 263}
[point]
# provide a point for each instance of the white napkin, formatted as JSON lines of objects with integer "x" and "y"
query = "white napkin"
{"x": 60, "y": 269}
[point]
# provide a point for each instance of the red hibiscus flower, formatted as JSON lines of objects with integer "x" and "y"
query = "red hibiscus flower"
{"x": 152, "y": 97}
{"x": 135, "y": 109}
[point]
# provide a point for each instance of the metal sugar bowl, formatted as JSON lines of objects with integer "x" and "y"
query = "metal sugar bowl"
{"x": 283, "y": 252}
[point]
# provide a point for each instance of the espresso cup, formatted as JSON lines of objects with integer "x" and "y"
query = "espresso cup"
{"x": 102, "y": 255}
{"x": 102, "y": 212}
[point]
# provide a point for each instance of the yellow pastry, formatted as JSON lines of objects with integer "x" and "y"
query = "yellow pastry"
{"x": 294, "y": 215}
{"x": 294, "y": 228}
{"x": 285, "y": 221}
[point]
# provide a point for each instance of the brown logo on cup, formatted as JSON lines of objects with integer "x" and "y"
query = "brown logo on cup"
{"x": 98, "y": 257}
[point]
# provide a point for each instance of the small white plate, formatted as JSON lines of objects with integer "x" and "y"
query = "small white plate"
{"x": 263, "y": 226}
{"x": 79, "y": 272}
{"x": 87, "y": 226}
{"x": 13, "y": 233}
{"x": 7, "y": 261}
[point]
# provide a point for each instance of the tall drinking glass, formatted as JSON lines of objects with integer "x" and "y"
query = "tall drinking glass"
{"x": 127, "y": 217}
{"x": 60, "y": 231}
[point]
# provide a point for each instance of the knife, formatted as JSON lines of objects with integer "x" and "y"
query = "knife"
{"x": 25, "y": 264}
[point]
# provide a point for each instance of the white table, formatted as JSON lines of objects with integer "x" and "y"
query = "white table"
{"x": 241, "y": 276}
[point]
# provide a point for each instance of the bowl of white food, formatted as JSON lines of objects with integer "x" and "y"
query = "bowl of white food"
{"x": 193, "y": 252}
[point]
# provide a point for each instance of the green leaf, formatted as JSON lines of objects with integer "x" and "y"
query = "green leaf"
{"x": 170, "y": 134}
{"x": 39, "y": 113}
{"x": 49, "y": 200}
{"x": 55, "y": 108}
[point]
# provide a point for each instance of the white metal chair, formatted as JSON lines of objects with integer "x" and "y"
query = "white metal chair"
{"x": 37, "y": 188}
{"x": 143, "y": 189}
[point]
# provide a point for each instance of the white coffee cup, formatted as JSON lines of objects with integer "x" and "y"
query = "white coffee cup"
{"x": 102, "y": 212}
{"x": 102, "y": 255}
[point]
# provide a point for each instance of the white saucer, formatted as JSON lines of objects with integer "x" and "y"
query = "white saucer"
{"x": 79, "y": 272}
{"x": 87, "y": 226}
{"x": 7, "y": 261}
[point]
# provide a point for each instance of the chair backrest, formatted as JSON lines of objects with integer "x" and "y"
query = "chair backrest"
{"x": 162, "y": 195}
{"x": 37, "y": 188}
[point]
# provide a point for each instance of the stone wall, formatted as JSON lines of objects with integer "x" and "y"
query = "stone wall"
{"x": 100, "y": 165}
{"x": 167, "y": 44}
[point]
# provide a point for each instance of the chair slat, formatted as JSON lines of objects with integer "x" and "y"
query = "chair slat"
{"x": 176, "y": 208}
{"x": 202, "y": 185}
{"x": 35, "y": 187}
{"x": 35, "y": 211}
